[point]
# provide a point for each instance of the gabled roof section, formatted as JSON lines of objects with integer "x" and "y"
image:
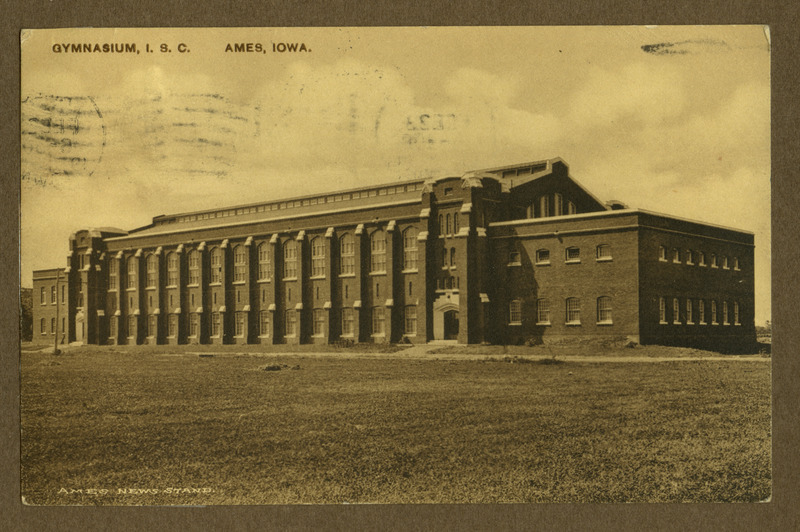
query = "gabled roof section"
{"x": 516, "y": 175}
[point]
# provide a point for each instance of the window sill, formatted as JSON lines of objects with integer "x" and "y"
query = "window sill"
{"x": 662, "y": 260}
{"x": 317, "y": 336}
{"x": 129, "y": 289}
{"x": 215, "y": 283}
{"x": 289, "y": 279}
{"x": 515, "y": 324}
{"x": 663, "y": 323}
{"x": 409, "y": 335}
{"x": 512, "y": 264}
{"x": 573, "y": 324}
{"x": 689, "y": 323}
{"x": 604, "y": 259}
{"x": 715, "y": 324}
{"x": 676, "y": 323}
{"x": 543, "y": 263}
{"x": 239, "y": 282}
{"x": 195, "y": 285}
{"x": 171, "y": 286}
{"x": 573, "y": 261}
{"x": 689, "y": 263}
{"x": 605, "y": 323}
{"x": 414, "y": 270}
{"x": 703, "y": 323}
{"x": 346, "y": 275}
{"x": 150, "y": 288}
{"x": 378, "y": 335}
{"x": 317, "y": 278}
{"x": 737, "y": 324}
{"x": 543, "y": 323}
{"x": 377, "y": 274}
{"x": 676, "y": 262}
{"x": 346, "y": 336}
{"x": 263, "y": 280}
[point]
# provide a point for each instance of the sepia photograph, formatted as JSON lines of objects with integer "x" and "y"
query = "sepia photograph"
{"x": 379, "y": 265}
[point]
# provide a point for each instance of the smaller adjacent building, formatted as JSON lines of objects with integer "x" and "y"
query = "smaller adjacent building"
{"x": 511, "y": 254}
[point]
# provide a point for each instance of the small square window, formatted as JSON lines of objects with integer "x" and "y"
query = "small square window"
{"x": 573, "y": 255}
{"x": 514, "y": 258}
{"x": 543, "y": 256}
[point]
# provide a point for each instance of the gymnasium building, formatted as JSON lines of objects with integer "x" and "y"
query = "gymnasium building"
{"x": 505, "y": 255}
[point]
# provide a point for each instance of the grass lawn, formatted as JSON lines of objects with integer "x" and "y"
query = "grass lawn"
{"x": 159, "y": 428}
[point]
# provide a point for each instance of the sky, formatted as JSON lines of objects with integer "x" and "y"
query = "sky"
{"x": 669, "y": 119}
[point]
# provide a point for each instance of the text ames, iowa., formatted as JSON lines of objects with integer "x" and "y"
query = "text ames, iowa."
{"x": 259, "y": 48}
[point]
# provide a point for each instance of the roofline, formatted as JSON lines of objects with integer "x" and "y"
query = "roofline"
{"x": 619, "y": 212}
{"x": 131, "y": 236}
{"x": 548, "y": 162}
{"x": 293, "y": 198}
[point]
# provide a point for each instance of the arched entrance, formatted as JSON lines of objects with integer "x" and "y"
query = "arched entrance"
{"x": 451, "y": 325}
{"x": 445, "y": 317}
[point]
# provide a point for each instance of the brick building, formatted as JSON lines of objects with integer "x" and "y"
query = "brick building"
{"x": 501, "y": 255}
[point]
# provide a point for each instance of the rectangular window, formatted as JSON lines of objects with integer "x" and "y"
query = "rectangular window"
{"x": 319, "y": 322}
{"x": 63, "y": 293}
{"x": 725, "y": 263}
{"x": 194, "y": 267}
{"x": 263, "y": 324}
{"x": 241, "y": 317}
{"x": 291, "y": 322}
{"x": 378, "y": 321}
{"x": 318, "y": 257}
{"x": 603, "y": 252}
{"x": 112, "y": 327}
{"x": 725, "y": 313}
{"x": 542, "y": 256}
{"x": 544, "y": 207}
{"x": 701, "y": 311}
{"x": 240, "y": 264}
{"x": 736, "y": 263}
{"x": 290, "y": 260}
{"x": 676, "y": 311}
{"x": 53, "y": 295}
{"x": 173, "y": 325}
{"x": 689, "y": 316}
{"x": 172, "y": 269}
{"x": 714, "y": 312}
{"x": 112, "y": 274}
{"x": 573, "y": 254}
{"x": 701, "y": 258}
{"x": 573, "y": 311}
{"x": 132, "y": 272}
{"x": 216, "y": 321}
{"x": 689, "y": 257}
{"x": 151, "y": 325}
{"x": 662, "y": 253}
{"x": 378, "y": 251}
{"x": 52, "y": 325}
{"x": 410, "y": 319}
{"x": 676, "y": 256}
{"x": 736, "y": 313}
{"x": 131, "y": 326}
{"x": 559, "y": 204}
{"x": 152, "y": 271}
{"x": 662, "y": 310}
{"x": 216, "y": 265}
{"x": 410, "y": 249}
{"x": 542, "y": 312}
{"x": 714, "y": 263}
{"x": 514, "y": 258}
{"x": 347, "y": 322}
{"x": 42, "y": 296}
{"x": 194, "y": 325}
{"x": 347, "y": 255}
{"x": 264, "y": 262}
{"x": 604, "y": 310}
{"x": 42, "y": 326}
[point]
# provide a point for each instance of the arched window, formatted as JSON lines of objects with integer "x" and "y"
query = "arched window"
{"x": 317, "y": 257}
{"x": 131, "y": 272}
{"x": 239, "y": 264}
{"x": 604, "y": 309}
{"x": 290, "y": 260}
{"x": 410, "y": 249}
{"x": 347, "y": 254}
{"x": 558, "y": 204}
{"x": 573, "y": 311}
{"x": 378, "y": 251}
{"x": 194, "y": 267}
{"x": 216, "y": 265}
{"x": 515, "y": 312}
{"x": 455, "y": 223}
{"x": 544, "y": 207}
{"x": 152, "y": 270}
{"x": 543, "y": 311}
{"x": 571, "y": 209}
{"x": 172, "y": 269}
{"x": 264, "y": 262}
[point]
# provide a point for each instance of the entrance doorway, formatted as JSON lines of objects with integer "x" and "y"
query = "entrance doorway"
{"x": 451, "y": 325}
